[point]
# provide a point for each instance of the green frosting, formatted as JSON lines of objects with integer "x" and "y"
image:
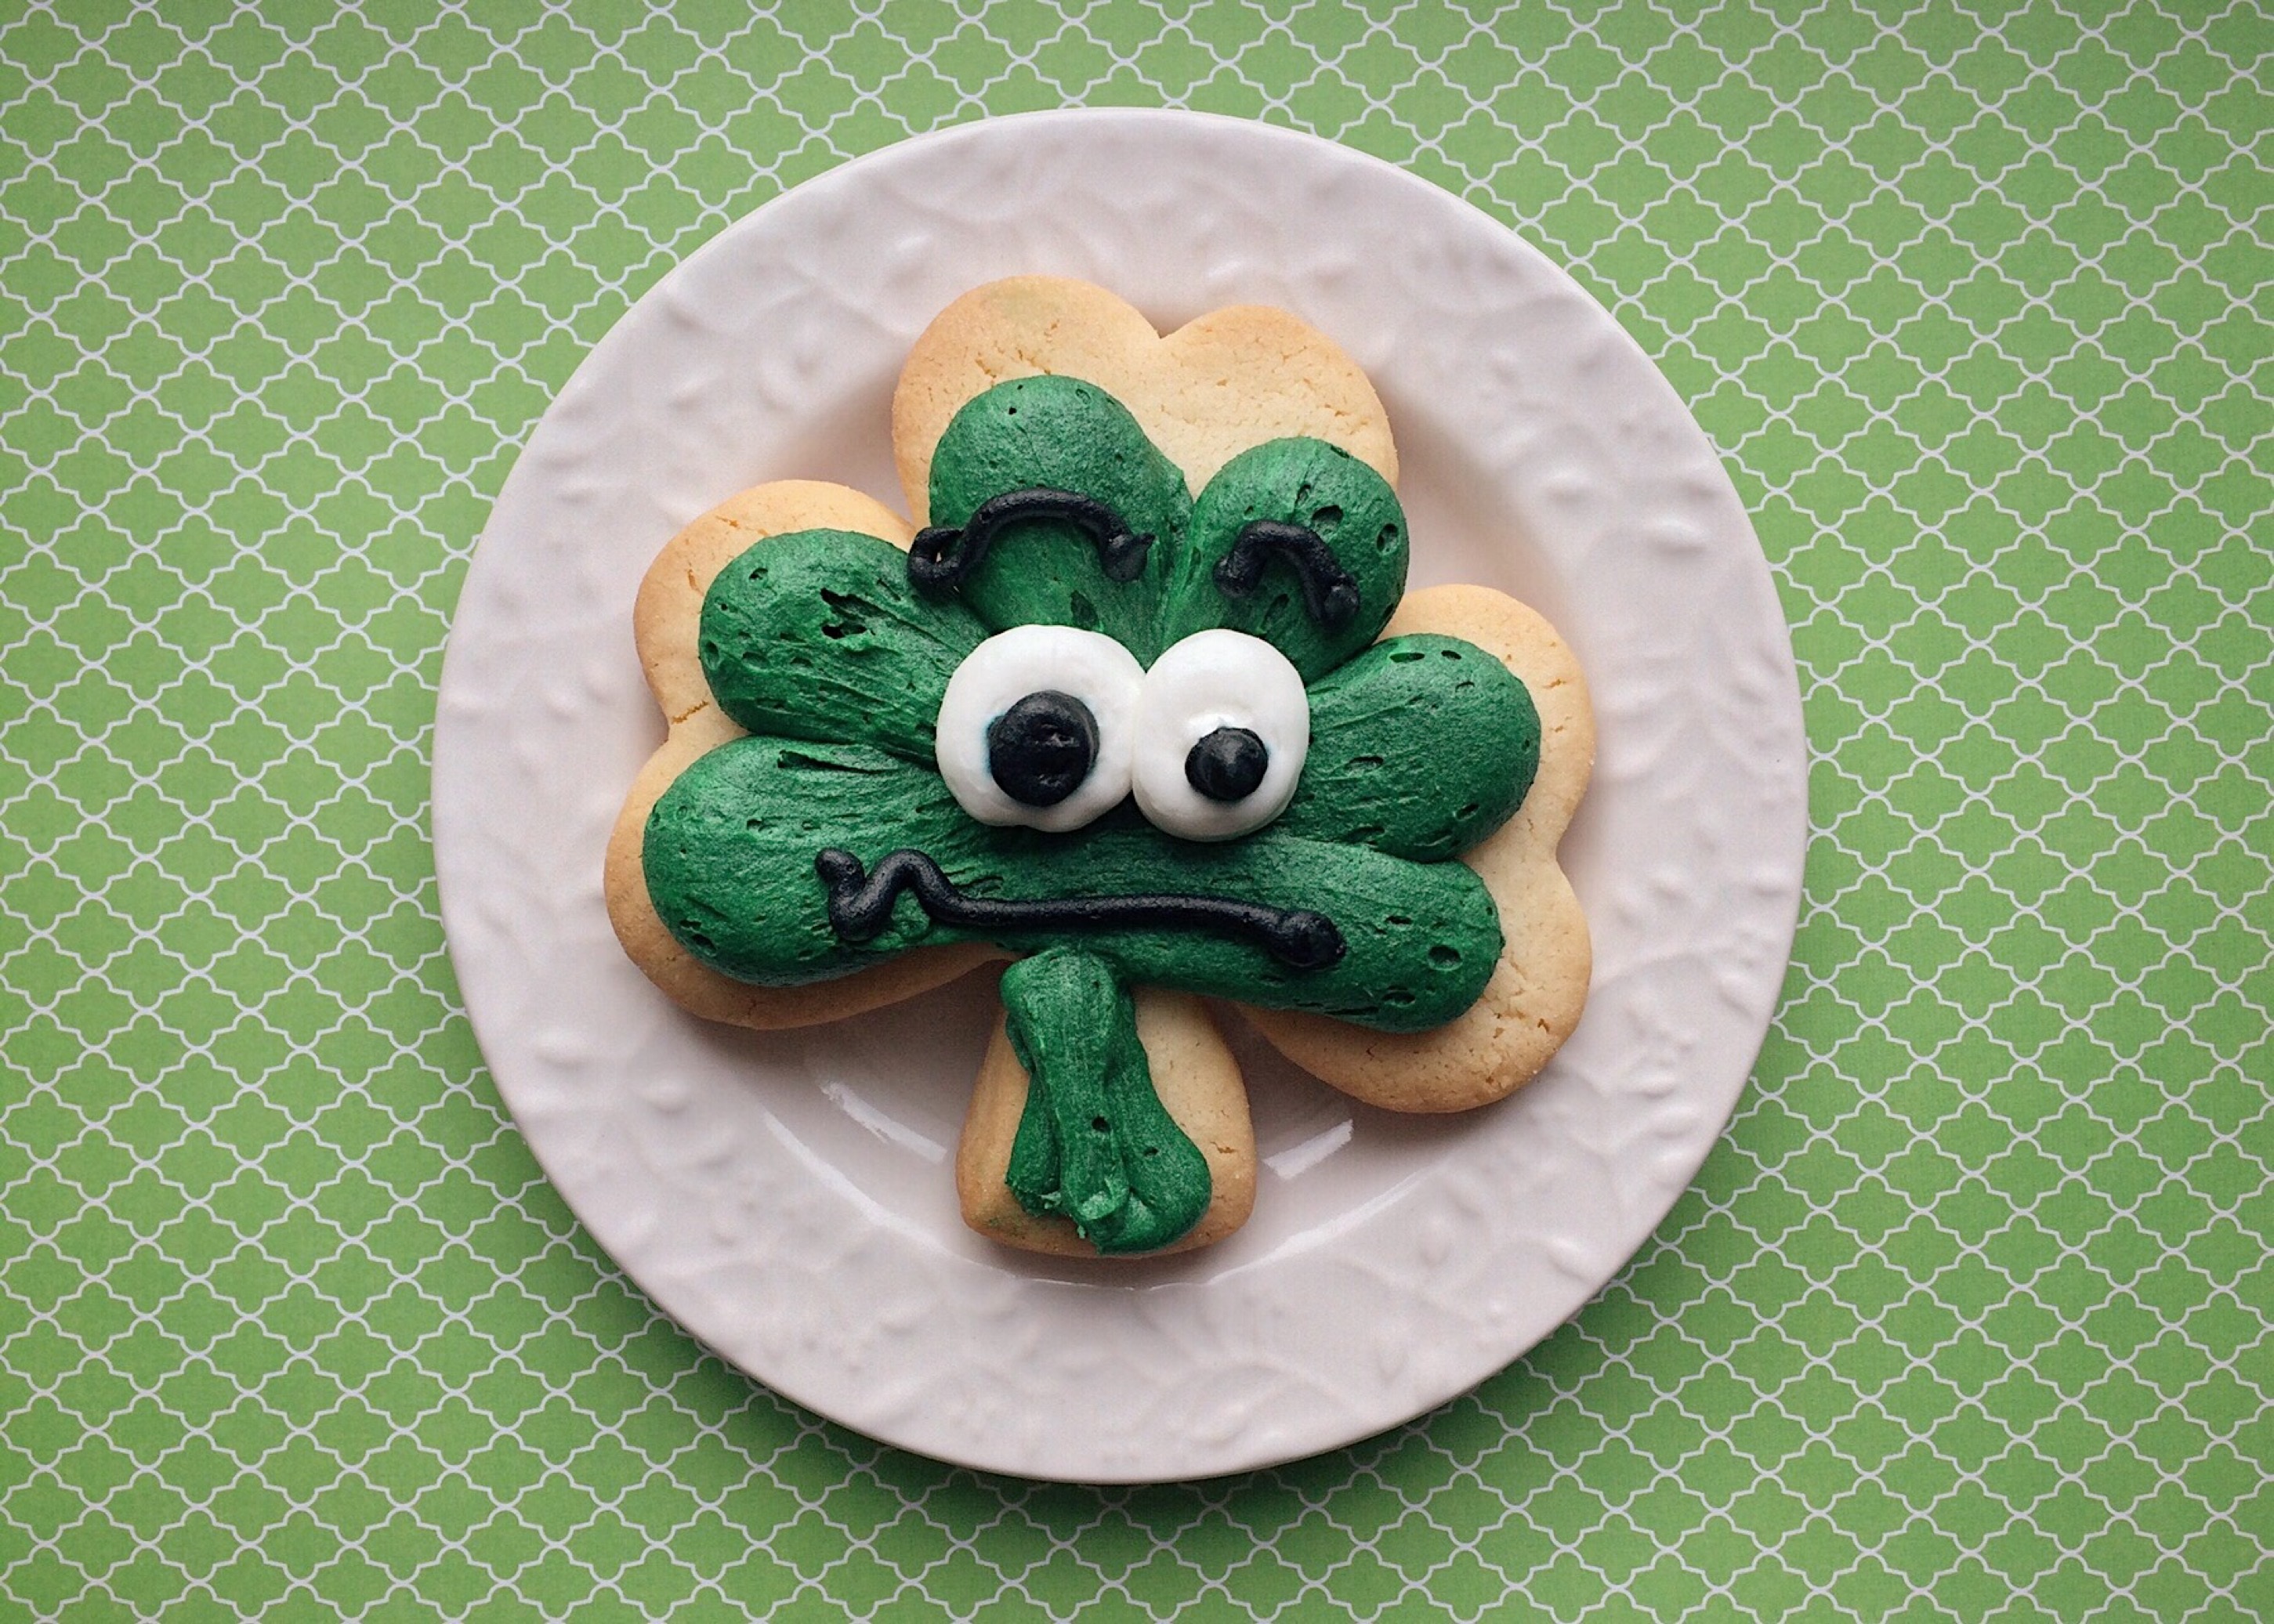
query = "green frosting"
{"x": 1304, "y": 482}
{"x": 1094, "y": 1143}
{"x": 1421, "y": 747}
{"x": 817, "y": 635}
{"x": 1066, "y": 435}
{"x": 729, "y": 857}
{"x": 816, "y": 642}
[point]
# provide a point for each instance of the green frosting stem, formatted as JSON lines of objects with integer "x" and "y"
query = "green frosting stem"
{"x": 1095, "y": 1144}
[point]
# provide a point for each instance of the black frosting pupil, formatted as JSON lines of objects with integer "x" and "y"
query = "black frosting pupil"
{"x": 1227, "y": 764}
{"x": 1043, "y": 748}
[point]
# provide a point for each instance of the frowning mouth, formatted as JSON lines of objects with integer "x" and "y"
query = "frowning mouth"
{"x": 861, "y": 907}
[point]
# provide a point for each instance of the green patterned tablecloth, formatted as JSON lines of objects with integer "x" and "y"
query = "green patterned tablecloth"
{"x": 1967, "y": 1317}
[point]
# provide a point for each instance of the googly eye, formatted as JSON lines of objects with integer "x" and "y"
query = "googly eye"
{"x": 1223, "y": 724}
{"x": 1036, "y": 724}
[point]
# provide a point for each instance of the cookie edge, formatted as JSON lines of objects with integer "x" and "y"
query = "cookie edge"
{"x": 666, "y": 615}
{"x": 1293, "y": 378}
{"x": 1538, "y": 991}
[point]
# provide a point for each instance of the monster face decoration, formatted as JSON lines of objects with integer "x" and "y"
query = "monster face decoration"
{"x": 1133, "y": 735}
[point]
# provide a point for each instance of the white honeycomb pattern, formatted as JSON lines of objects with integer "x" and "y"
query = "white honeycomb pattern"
{"x": 1968, "y": 1317}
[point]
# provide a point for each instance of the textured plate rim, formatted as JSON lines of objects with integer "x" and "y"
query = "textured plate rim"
{"x": 460, "y": 829}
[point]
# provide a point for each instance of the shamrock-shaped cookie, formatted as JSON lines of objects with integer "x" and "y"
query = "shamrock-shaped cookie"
{"x": 1145, "y": 706}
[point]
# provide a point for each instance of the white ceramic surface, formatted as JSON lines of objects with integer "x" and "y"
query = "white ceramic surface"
{"x": 788, "y": 1197}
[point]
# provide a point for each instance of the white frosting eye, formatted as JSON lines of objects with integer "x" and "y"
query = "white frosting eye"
{"x": 1222, "y": 725}
{"x": 1036, "y": 724}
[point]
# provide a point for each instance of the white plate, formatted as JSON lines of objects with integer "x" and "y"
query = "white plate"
{"x": 788, "y": 1197}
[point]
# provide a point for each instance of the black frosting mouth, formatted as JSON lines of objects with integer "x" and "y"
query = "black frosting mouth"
{"x": 861, "y": 906}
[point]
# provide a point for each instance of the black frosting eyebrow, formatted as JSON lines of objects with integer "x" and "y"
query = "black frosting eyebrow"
{"x": 943, "y": 554}
{"x": 1329, "y": 591}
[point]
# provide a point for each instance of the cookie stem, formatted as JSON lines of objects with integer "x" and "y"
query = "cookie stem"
{"x": 1095, "y": 1144}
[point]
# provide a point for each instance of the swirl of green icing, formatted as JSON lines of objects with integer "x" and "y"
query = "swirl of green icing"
{"x": 818, "y": 645}
{"x": 1095, "y": 1144}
